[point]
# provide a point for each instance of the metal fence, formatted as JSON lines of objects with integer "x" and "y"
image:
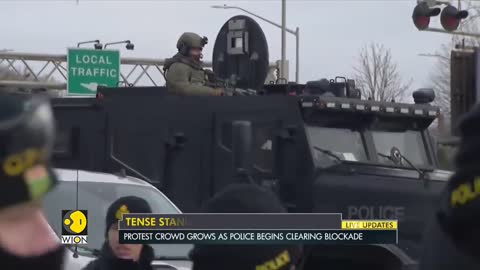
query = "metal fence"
{"x": 50, "y": 70}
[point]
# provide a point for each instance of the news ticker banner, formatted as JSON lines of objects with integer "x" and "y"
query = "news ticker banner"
{"x": 254, "y": 229}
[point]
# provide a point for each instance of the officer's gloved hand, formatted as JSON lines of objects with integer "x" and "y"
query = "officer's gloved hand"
{"x": 460, "y": 213}
{"x": 229, "y": 91}
{"x": 27, "y": 135}
{"x": 210, "y": 75}
{"x": 218, "y": 92}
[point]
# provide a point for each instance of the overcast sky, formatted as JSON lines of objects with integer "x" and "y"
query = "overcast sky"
{"x": 332, "y": 32}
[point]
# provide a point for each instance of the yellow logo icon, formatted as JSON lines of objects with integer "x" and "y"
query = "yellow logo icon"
{"x": 122, "y": 210}
{"x": 75, "y": 221}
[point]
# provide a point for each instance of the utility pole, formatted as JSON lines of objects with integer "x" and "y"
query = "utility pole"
{"x": 284, "y": 38}
{"x": 297, "y": 55}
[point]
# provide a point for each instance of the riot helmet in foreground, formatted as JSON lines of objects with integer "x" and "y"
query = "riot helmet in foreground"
{"x": 26, "y": 141}
{"x": 27, "y": 137}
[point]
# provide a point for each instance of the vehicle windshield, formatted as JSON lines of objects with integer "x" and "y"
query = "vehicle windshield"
{"x": 410, "y": 143}
{"x": 96, "y": 198}
{"x": 344, "y": 143}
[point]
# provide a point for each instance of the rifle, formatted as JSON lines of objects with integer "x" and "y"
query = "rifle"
{"x": 229, "y": 85}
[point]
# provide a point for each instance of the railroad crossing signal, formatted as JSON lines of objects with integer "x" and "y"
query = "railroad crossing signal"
{"x": 421, "y": 15}
{"x": 450, "y": 16}
{"x": 88, "y": 69}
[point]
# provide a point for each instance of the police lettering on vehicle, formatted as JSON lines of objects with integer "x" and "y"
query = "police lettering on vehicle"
{"x": 465, "y": 193}
{"x": 376, "y": 212}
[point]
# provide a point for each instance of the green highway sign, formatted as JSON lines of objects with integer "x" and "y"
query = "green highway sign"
{"x": 88, "y": 69}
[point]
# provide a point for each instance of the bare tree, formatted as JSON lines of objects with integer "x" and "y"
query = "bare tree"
{"x": 8, "y": 74}
{"x": 377, "y": 75}
{"x": 440, "y": 79}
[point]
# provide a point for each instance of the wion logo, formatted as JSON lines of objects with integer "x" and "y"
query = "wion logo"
{"x": 74, "y": 226}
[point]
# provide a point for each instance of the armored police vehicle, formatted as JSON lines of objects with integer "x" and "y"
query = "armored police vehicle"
{"x": 320, "y": 146}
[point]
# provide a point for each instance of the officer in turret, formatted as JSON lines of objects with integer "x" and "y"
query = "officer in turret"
{"x": 184, "y": 73}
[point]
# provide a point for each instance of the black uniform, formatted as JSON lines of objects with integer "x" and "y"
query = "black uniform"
{"x": 452, "y": 241}
{"x": 107, "y": 261}
{"x": 245, "y": 198}
{"x": 52, "y": 260}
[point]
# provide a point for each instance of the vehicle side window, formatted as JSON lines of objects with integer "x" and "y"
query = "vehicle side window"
{"x": 54, "y": 202}
{"x": 263, "y": 138}
{"x": 263, "y": 147}
{"x": 96, "y": 197}
{"x": 61, "y": 199}
{"x": 226, "y": 135}
{"x": 134, "y": 147}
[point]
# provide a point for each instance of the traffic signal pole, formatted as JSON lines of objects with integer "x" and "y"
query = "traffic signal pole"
{"x": 439, "y": 30}
{"x": 284, "y": 43}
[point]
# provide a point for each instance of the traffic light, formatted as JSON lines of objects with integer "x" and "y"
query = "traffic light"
{"x": 451, "y": 17}
{"x": 421, "y": 15}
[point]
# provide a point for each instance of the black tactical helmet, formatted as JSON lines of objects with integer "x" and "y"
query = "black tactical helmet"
{"x": 190, "y": 40}
{"x": 26, "y": 142}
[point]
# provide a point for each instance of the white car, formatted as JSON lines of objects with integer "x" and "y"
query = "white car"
{"x": 96, "y": 191}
